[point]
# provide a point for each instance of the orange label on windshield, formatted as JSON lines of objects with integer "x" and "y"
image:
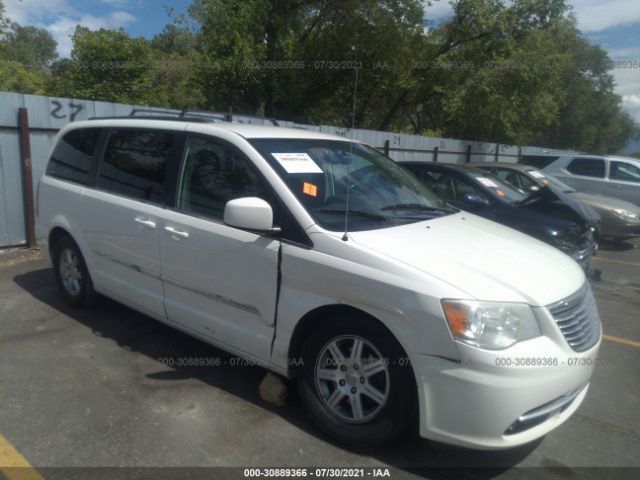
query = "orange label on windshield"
{"x": 310, "y": 189}
{"x": 500, "y": 193}
{"x": 545, "y": 181}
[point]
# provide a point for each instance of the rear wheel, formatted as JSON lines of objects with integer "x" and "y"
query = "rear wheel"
{"x": 356, "y": 382}
{"x": 72, "y": 276}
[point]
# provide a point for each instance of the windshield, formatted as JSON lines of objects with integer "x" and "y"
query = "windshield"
{"x": 497, "y": 186}
{"x": 545, "y": 179}
{"x": 323, "y": 173}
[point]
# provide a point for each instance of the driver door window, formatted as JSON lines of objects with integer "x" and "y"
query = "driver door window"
{"x": 625, "y": 172}
{"x": 214, "y": 173}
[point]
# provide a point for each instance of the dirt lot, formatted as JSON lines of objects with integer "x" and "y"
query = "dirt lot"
{"x": 88, "y": 388}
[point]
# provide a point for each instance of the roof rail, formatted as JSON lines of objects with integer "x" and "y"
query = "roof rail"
{"x": 188, "y": 115}
{"x": 229, "y": 117}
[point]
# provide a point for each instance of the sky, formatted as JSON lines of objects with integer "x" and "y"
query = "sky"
{"x": 613, "y": 24}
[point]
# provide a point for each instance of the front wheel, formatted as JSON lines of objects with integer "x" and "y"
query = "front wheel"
{"x": 356, "y": 383}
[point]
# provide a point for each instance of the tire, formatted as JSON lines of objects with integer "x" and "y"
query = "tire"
{"x": 71, "y": 273}
{"x": 330, "y": 388}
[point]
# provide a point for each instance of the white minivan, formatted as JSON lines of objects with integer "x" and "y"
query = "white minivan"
{"x": 322, "y": 259}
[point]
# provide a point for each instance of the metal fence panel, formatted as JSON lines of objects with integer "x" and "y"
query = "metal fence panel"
{"x": 12, "y": 219}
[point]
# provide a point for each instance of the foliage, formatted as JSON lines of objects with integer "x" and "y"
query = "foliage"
{"x": 4, "y": 21}
{"x": 14, "y": 77}
{"x": 32, "y": 47}
{"x": 107, "y": 65}
{"x": 513, "y": 72}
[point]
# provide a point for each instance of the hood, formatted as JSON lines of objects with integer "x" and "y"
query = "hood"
{"x": 567, "y": 206}
{"x": 484, "y": 259}
{"x": 603, "y": 201}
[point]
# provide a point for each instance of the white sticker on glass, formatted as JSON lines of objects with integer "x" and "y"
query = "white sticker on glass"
{"x": 297, "y": 163}
{"x": 487, "y": 182}
{"x": 537, "y": 174}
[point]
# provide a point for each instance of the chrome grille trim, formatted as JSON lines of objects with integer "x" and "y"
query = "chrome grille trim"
{"x": 577, "y": 318}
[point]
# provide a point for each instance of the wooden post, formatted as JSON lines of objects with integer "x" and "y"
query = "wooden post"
{"x": 386, "y": 147}
{"x": 230, "y": 114}
{"x": 468, "y": 159}
{"x": 27, "y": 177}
{"x": 497, "y": 156}
{"x": 435, "y": 154}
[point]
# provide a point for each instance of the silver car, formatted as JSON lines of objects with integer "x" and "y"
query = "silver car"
{"x": 620, "y": 220}
{"x": 617, "y": 177}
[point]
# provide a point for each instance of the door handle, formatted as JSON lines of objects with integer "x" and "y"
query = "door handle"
{"x": 145, "y": 222}
{"x": 177, "y": 233}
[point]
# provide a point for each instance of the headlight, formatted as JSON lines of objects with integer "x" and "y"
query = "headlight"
{"x": 627, "y": 215}
{"x": 490, "y": 325}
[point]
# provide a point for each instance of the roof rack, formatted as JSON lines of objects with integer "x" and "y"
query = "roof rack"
{"x": 202, "y": 116}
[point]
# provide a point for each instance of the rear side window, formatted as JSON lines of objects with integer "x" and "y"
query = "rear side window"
{"x": 537, "y": 161}
{"x": 446, "y": 186}
{"x": 135, "y": 162}
{"x": 71, "y": 159}
{"x": 587, "y": 167}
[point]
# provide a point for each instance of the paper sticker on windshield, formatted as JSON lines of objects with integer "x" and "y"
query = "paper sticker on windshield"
{"x": 535, "y": 173}
{"x": 297, "y": 163}
{"x": 310, "y": 189}
{"x": 487, "y": 182}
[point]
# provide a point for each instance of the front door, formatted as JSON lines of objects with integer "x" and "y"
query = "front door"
{"x": 219, "y": 281}
{"x": 624, "y": 181}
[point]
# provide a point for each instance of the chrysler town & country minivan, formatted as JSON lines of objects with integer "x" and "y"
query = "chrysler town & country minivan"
{"x": 323, "y": 260}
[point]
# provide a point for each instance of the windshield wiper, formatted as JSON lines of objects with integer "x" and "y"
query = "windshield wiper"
{"x": 418, "y": 206}
{"x": 357, "y": 213}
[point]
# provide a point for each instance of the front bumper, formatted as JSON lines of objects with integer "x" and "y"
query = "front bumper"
{"x": 502, "y": 399}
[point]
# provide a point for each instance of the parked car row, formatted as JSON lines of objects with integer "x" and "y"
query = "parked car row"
{"x": 620, "y": 220}
{"x": 324, "y": 260}
{"x": 544, "y": 214}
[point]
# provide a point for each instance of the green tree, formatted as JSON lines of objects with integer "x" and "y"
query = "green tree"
{"x": 590, "y": 115}
{"x": 106, "y": 65}
{"x": 33, "y": 47}
{"x": 518, "y": 72}
{"x": 4, "y": 21}
{"x": 176, "y": 60}
{"x": 15, "y": 78}
{"x": 175, "y": 40}
{"x": 247, "y": 44}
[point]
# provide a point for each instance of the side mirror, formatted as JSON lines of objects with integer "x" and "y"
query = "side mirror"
{"x": 475, "y": 200}
{"x": 249, "y": 213}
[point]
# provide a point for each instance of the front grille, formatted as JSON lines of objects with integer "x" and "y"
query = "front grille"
{"x": 578, "y": 319}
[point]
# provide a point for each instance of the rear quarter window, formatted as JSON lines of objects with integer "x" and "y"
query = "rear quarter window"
{"x": 587, "y": 167}
{"x": 73, "y": 155}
